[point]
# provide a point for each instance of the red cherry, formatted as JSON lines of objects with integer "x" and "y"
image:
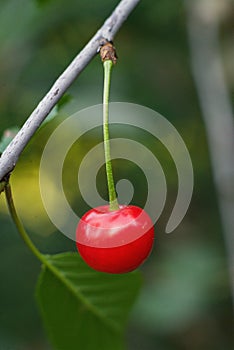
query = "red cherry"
{"x": 115, "y": 241}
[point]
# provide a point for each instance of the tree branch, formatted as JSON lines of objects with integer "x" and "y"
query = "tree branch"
{"x": 111, "y": 26}
{"x": 203, "y": 29}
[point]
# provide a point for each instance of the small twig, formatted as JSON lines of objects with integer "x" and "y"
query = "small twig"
{"x": 107, "y": 32}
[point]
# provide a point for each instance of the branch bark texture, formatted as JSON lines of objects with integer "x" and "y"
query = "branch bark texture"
{"x": 111, "y": 26}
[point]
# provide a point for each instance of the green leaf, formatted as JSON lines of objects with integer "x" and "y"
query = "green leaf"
{"x": 64, "y": 100}
{"x": 82, "y": 308}
{"x": 42, "y": 2}
{"x": 7, "y": 137}
{"x": 53, "y": 114}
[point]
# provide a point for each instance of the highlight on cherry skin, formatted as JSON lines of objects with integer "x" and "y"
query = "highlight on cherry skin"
{"x": 116, "y": 241}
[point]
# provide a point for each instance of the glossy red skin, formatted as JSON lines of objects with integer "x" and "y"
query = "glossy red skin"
{"x": 117, "y": 241}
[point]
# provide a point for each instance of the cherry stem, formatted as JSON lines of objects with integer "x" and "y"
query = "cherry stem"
{"x": 108, "y": 64}
{"x": 19, "y": 224}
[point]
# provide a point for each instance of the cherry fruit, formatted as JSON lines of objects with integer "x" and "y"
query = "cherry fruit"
{"x": 115, "y": 241}
{"x": 113, "y": 238}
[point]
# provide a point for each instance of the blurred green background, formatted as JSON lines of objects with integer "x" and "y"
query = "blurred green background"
{"x": 186, "y": 299}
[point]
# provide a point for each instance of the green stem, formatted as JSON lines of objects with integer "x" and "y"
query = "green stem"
{"x": 19, "y": 224}
{"x": 2, "y": 186}
{"x": 109, "y": 173}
